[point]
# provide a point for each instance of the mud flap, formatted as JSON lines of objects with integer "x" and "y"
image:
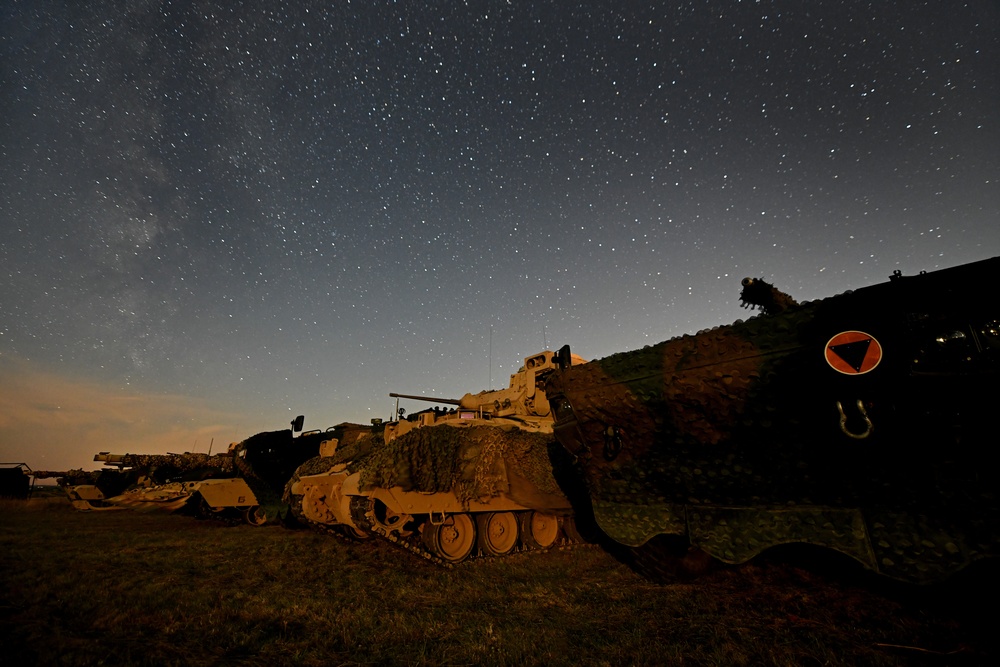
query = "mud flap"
{"x": 227, "y": 493}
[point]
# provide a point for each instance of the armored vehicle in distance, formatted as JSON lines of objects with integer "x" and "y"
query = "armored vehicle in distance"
{"x": 244, "y": 483}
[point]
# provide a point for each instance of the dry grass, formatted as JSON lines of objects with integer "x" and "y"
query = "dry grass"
{"x": 121, "y": 588}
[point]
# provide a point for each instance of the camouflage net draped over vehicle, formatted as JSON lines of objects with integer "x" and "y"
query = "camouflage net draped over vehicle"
{"x": 475, "y": 463}
{"x": 166, "y": 467}
{"x": 71, "y": 477}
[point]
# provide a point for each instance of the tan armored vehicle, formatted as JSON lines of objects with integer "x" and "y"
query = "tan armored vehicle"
{"x": 146, "y": 481}
{"x": 243, "y": 484}
{"x": 478, "y": 478}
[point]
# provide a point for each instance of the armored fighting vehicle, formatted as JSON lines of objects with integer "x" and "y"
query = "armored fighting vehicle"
{"x": 862, "y": 423}
{"x": 476, "y": 479}
{"x": 139, "y": 480}
{"x": 146, "y": 481}
{"x": 244, "y": 483}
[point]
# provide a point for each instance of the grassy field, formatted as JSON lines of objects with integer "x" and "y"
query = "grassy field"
{"x": 122, "y": 588}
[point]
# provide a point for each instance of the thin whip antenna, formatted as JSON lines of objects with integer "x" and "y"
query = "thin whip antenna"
{"x": 490, "y": 385}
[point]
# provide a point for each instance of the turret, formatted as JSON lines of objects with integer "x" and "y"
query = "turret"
{"x": 523, "y": 398}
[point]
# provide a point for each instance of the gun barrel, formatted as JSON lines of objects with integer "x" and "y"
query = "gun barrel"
{"x": 429, "y": 399}
{"x": 108, "y": 457}
{"x": 48, "y": 474}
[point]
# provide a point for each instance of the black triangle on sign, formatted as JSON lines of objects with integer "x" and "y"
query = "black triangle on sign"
{"x": 853, "y": 353}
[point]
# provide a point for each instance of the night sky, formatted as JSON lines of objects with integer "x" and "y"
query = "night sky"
{"x": 216, "y": 216}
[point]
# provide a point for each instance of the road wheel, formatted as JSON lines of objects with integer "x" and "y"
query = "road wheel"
{"x": 539, "y": 531}
{"x": 453, "y": 540}
{"x": 497, "y": 533}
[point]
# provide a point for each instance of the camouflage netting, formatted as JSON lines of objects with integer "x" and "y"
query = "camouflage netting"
{"x": 757, "y": 293}
{"x": 474, "y": 463}
{"x": 72, "y": 477}
{"x": 355, "y": 447}
{"x": 764, "y": 432}
{"x": 168, "y": 467}
{"x": 315, "y": 466}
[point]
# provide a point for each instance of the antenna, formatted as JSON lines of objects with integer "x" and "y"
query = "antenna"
{"x": 490, "y": 385}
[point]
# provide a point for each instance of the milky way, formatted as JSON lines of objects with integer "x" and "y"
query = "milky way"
{"x": 264, "y": 209}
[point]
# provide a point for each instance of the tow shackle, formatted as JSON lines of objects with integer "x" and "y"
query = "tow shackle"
{"x": 864, "y": 415}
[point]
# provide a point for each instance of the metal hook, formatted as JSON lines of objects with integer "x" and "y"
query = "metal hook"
{"x": 864, "y": 415}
